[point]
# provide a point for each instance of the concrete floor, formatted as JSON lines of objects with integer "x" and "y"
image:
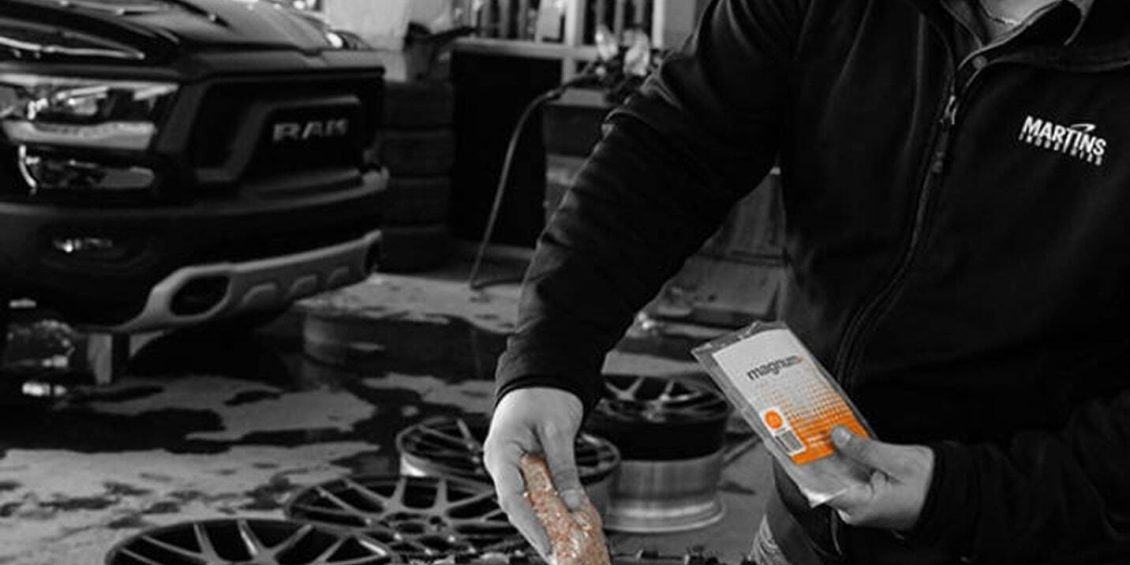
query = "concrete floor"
{"x": 203, "y": 427}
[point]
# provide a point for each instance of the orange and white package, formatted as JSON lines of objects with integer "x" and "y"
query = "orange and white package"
{"x": 788, "y": 398}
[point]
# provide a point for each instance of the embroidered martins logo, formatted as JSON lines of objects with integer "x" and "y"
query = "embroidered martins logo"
{"x": 1076, "y": 140}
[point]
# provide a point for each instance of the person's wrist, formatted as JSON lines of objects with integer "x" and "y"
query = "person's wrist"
{"x": 929, "y": 505}
{"x": 948, "y": 515}
{"x": 543, "y": 382}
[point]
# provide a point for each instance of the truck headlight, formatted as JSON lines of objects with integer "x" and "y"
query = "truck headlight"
{"x": 81, "y": 112}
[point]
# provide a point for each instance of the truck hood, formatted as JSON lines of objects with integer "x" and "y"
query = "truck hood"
{"x": 153, "y": 30}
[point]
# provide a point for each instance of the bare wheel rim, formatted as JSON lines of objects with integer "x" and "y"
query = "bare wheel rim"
{"x": 417, "y": 517}
{"x": 250, "y": 542}
{"x": 448, "y": 446}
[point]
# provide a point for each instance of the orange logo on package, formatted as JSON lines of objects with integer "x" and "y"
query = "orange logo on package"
{"x": 773, "y": 419}
{"x": 782, "y": 432}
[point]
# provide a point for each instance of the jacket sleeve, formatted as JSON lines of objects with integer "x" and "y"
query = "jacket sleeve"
{"x": 697, "y": 136}
{"x": 1041, "y": 496}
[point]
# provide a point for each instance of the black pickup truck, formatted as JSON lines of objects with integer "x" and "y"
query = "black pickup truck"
{"x": 171, "y": 162}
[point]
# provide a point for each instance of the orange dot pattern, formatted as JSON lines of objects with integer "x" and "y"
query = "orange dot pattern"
{"x": 811, "y": 406}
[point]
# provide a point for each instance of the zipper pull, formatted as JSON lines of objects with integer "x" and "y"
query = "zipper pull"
{"x": 949, "y": 119}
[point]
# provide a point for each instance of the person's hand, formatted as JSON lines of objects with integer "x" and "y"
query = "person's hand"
{"x": 900, "y": 479}
{"x": 534, "y": 420}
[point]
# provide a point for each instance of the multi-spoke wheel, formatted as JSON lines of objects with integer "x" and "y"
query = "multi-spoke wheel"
{"x": 645, "y": 557}
{"x": 250, "y": 542}
{"x": 671, "y": 433}
{"x": 452, "y": 447}
{"x": 418, "y": 517}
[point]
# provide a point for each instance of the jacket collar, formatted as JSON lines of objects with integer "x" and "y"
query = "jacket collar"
{"x": 1104, "y": 34}
{"x": 934, "y": 7}
{"x": 1083, "y": 9}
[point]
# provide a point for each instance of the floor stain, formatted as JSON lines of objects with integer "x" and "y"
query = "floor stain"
{"x": 85, "y": 431}
{"x": 121, "y": 395}
{"x": 122, "y": 489}
{"x": 251, "y": 397}
{"x": 81, "y": 503}
{"x": 131, "y": 522}
{"x": 163, "y": 507}
{"x": 271, "y": 495}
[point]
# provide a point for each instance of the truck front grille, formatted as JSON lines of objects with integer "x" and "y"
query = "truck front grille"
{"x": 253, "y": 129}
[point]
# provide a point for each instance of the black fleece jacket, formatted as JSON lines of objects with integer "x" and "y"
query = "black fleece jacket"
{"x": 958, "y": 240}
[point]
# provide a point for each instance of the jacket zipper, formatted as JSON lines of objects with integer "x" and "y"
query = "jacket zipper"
{"x": 845, "y": 360}
{"x": 848, "y": 358}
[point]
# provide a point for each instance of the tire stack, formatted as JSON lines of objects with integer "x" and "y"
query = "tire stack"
{"x": 418, "y": 148}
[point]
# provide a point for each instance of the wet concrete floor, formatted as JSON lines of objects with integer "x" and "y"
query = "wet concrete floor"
{"x": 204, "y": 425}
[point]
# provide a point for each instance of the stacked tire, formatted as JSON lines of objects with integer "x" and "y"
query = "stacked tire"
{"x": 418, "y": 148}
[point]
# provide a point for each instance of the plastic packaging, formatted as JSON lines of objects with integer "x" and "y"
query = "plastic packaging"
{"x": 789, "y": 399}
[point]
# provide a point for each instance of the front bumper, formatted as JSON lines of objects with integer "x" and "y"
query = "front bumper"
{"x": 263, "y": 285}
{"x": 162, "y": 245}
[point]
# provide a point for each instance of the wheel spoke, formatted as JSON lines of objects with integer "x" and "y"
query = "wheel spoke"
{"x": 449, "y": 438}
{"x": 324, "y": 557}
{"x": 471, "y": 440}
{"x": 204, "y": 541}
{"x": 325, "y": 493}
{"x": 472, "y": 500}
{"x": 633, "y": 390}
{"x": 307, "y": 510}
{"x": 398, "y": 492}
{"x": 448, "y": 495}
{"x": 416, "y": 545}
{"x": 427, "y": 445}
{"x": 370, "y": 494}
{"x": 293, "y": 539}
{"x": 141, "y": 558}
{"x": 368, "y": 560}
{"x": 183, "y": 552}
{"x": 250, "y": 540}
